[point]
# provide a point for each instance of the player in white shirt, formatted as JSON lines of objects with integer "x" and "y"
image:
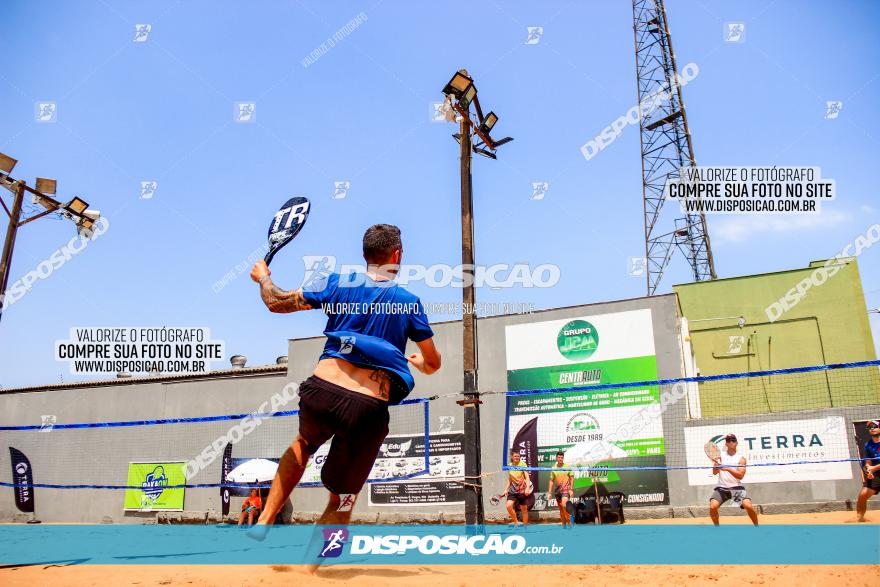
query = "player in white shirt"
{"x": 730, "y": 468}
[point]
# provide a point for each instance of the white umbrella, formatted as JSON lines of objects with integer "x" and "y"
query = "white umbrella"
{"x": 587, "y": 454}
{"x": 253, "y": 471}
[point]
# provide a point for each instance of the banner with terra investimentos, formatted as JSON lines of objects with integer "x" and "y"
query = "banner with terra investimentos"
{"x": 154, "y": 480}
{"x": 584, "y": 352}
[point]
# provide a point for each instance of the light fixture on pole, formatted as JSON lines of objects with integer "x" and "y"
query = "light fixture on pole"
{"x": 47, "y": 186}
{"x": 77, "y": 206}
{"x": 460, "y": 83}
{"x": 86, "y": 224}
{"x": 488, "y": 123}
{"x": 7, "y": 163}
{"x": 468, "y": 97}
{"x": 76, "y": 210}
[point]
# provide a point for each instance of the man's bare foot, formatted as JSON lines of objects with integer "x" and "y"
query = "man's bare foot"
{"x": 258, "y": 532}
{"x": 857, "y": 520}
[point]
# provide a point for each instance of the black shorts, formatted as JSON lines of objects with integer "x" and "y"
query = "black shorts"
{"x": 357, "y": 423}
{"x": 559, "y": 495}
{"x": 873, "y": 483}
{"x": 737, "y": 494}
{"x": 518, "y": 499}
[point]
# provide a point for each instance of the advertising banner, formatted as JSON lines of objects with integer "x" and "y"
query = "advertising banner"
{"x": 584, "y": 352}
{"x": 154, "y": 478}
{"x": 780, "y": 441}
{"x": 405, "y": 454}
{"x": 22, "y": 474}
{"x": 225, "y": 469}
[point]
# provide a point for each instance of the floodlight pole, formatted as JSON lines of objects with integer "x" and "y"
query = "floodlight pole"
{"x": 472, "y": 459}
{"x": 19, "y": 187}
{"x": 9, "y": 243}
{"x": 460, "y": 94}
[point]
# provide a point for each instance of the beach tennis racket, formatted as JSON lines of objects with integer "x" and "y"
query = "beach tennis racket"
{"x": 712, "y": 451}
{"x": 286, "y": 224}
{"x": 496, "y": 499}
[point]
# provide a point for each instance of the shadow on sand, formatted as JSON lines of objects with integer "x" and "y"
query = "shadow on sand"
{"x": 352, "y": 572}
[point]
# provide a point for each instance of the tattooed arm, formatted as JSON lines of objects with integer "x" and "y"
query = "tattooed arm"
{"x": 275, "y": 298}
{"x": 280, "y": 301}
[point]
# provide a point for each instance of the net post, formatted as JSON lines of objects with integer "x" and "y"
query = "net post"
{"x": 473, "y": 497}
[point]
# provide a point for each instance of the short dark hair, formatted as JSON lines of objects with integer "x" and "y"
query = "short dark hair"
{"x": 559, "y": 453}
{"x": 380, "y": 241}
{"x": 513, "y": 451}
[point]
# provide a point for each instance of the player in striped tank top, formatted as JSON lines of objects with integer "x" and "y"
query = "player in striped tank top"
{"x": 518, "y": 489}
{"x": 564, "y": 481}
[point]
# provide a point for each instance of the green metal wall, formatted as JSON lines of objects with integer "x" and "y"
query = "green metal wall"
{"x": 828, "y": 325}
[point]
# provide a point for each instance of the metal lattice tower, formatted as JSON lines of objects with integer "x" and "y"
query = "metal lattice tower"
{"x": 666, "y": 147}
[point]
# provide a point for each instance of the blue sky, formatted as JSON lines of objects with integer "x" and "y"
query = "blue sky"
{"x": 162, "y": 110}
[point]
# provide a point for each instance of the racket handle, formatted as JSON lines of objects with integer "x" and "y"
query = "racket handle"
{"x": 269, "y": 255}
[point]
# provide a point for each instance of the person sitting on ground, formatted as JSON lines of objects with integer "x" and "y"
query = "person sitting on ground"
{"x": 251, "y": 507}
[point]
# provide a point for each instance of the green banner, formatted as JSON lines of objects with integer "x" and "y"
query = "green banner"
{"x": 546, "y": 403}
{"x": 154, "y": 478}
{"x": 579, "y": 355}
{"x": 583, "y": 374}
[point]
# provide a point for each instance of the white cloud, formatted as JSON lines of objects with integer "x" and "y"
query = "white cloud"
{"x": 867, "y": 209}
{"x": 743, "y": 227}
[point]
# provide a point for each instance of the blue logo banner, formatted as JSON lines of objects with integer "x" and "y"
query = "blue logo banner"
{"x": 441, "y": 544}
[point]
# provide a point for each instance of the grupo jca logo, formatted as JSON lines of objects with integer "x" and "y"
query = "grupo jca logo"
{"x": 581, "y": 422}
{"x": 577, "y": 340}
{"x": 582, "y": 427}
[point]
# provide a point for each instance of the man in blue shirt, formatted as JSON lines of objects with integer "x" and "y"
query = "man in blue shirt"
{"x": 872, "y": 470}
{"x": 362, "y": 370}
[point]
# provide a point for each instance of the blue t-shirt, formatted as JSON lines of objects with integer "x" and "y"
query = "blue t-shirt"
{"x": 368, "y": 324}
{"x": 872, "y": 451}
